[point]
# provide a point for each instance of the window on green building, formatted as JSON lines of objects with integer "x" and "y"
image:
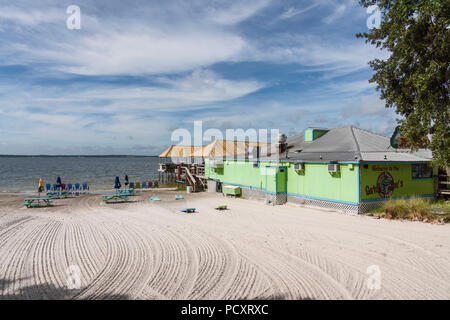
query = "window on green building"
{"x": 421, "y": 171}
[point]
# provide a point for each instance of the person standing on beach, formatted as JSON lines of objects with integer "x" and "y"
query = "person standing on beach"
{"x": 58, "y": 183}
{"x": 126, "y": 181}
{"x": 117, "y": 184}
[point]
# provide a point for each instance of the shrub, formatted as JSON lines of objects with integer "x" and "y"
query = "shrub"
{"x": 413, "y": 209}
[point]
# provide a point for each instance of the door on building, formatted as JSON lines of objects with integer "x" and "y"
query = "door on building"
{"x": 276, "y": 185}
{"x": 281, "y": 180}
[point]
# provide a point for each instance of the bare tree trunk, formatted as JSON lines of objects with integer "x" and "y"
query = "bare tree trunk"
{"x": 447, "y": 169}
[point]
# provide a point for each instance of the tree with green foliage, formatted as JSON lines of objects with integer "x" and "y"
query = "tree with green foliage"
{"x": 414, "y": 79}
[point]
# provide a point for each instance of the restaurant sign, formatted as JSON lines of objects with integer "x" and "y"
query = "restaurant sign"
{"x": 385, "y": 185}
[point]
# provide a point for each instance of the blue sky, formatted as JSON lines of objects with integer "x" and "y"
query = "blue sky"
{"x": 137, "y": 70}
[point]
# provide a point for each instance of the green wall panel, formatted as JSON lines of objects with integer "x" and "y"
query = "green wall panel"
{"x": 238, "y": 172}
{"x": 315, "y": 181}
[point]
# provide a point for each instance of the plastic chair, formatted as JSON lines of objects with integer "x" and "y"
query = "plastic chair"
{"x": 85, "y": 187}
{"x": 77, "y": 187}
{"x": 138, "y": 185}
{"x": 150, "y": 184}
{"x": 144, "y": 185}
{"x": 131, "y": 185}
{"x": 48, "y": 187}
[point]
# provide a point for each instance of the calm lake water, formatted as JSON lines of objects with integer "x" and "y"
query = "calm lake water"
{"x": 22, "y": 174}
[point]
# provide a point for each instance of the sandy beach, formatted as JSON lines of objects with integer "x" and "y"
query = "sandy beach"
{"x": 146, "y": 250}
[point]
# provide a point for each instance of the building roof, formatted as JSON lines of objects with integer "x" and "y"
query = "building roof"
{"x": 217, "y": 148}
{"x": 180, "y": 151}
{"x": 346, "y": 144}
{"x": 229, "y": 148}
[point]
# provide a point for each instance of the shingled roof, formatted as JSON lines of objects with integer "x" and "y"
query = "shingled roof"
{"x": 347, "y": 144}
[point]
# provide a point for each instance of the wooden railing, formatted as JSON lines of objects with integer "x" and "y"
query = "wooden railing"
{"x": 443, "y": 185}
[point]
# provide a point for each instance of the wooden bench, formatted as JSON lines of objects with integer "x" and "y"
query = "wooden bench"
{"x": 115, "y": 198}
{"x": 38, "y": 202}
{"x": 189, "y": 210}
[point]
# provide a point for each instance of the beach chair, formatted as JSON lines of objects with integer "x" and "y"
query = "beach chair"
{"x": 150, "y": 184}
{"x": 85, "y": 187}
{"x": 224, "y": 207}
{"x": 189, "y": 210}
{"x": 138, "y": 185}
{"x": 178, "y": 197}
{"x": 156, "y": 184}
{"x": 77, "y": 188}
{"x": 131, "y": 185}
{"x": 70, "y": 188}
{"x": 55, "y": 187}
{"x": 48, "y": 187}
{"x": 155, "y": 198}
{"x": 144, "y": 185}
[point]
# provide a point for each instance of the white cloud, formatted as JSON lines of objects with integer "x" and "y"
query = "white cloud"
{"x": 196, "y": 90}
{"x": 337, "y": 13}
{"x": 177, "y": 41}
{"x": 353, "y": 87}
{"x": 371, "y": 105}
{"x": 292, "y": 12}
{"x": 316, "y": 53}
{"x": 30, "y": 17}
{"x": 137, "y": 52}
{"x": 235, "y": 12}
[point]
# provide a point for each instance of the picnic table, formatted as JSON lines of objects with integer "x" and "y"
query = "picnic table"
{"x": 115, "y": 197}
{"x": 38, "y": 202}
{"x": 130, "y": 192}
{"x": 57, "y": 194}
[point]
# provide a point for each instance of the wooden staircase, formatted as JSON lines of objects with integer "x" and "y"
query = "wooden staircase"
{"x": 192, "y": 180}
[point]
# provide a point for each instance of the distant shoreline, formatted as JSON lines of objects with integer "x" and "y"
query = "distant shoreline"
{"x": 72, "y": 156}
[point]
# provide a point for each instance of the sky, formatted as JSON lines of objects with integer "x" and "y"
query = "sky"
{"x": 137, "y": 70}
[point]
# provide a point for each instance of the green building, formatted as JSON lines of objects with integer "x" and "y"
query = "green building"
{"x": 344, "y": 168}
